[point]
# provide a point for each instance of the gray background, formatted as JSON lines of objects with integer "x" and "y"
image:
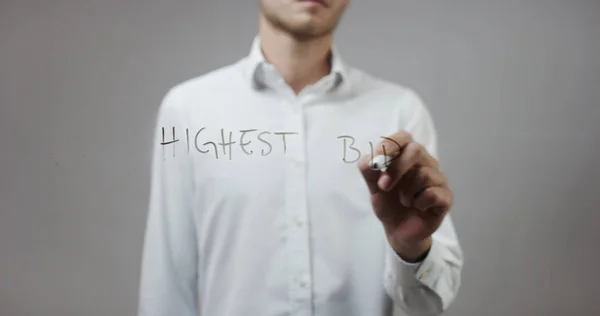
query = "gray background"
{"x": 514, "y": 87}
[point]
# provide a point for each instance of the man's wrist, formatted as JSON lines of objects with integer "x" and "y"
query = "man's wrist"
{"x": 412, "y": 252}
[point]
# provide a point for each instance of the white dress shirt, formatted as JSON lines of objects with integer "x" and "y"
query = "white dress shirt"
{"x": 258, "y": 207}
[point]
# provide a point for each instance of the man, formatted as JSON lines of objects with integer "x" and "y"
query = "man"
{"x": 260, "y": 204}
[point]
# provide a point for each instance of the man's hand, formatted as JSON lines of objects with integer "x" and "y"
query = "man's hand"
{"x": 410, "y": 198}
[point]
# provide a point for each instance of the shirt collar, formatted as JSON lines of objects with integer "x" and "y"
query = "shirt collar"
{"x": 256, "y": 60}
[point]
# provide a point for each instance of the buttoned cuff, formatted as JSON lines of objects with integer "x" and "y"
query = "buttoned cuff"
{"x": 403, "y": 273}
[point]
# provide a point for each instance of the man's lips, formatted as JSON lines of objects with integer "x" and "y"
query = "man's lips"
{"x": 321, "y": 2}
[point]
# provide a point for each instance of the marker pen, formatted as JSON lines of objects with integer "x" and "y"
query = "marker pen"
{"x": 381, "y": 162}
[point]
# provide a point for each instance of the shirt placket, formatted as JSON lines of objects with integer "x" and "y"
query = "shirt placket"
{"x": 300, "y": 280}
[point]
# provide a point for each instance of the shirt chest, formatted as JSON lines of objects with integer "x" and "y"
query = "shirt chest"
{"x": 270, "y": 151}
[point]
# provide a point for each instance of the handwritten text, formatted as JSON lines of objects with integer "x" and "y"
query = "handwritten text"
{"x": 266, "y": 141}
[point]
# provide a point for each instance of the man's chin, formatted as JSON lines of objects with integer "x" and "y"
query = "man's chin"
{"x": 307, "y": 35}
{"x": 308, "y": 30}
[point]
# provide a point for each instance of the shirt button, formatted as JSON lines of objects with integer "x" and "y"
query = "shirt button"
{"x": 299, "y": 222}
{"x": 296, "y": 162}
{"x": 303, "y": 280}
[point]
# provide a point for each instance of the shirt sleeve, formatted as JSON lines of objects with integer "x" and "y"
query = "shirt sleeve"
{"x": 430, "y": 286}
{"x": 168, "y": 282}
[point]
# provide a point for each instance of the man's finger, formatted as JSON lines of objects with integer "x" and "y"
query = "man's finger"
{"x": 371, "y": 176}
{"x": 392, "y": 145}
{"x": 438, "y": 199}
{"x": 416, "y": 180}
{"x": 414, "y": 155}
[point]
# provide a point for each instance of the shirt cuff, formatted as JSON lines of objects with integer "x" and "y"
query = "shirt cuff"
{"x": 405, "y": 273}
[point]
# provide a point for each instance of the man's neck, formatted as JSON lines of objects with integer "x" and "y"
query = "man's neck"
{"x": 300, "y": 63}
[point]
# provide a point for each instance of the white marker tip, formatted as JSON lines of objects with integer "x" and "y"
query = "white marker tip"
{"x": 380, "y": 162}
